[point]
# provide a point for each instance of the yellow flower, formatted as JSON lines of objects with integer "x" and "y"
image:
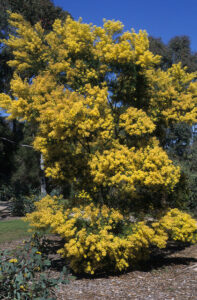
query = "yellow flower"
{"x": 13, "y": 260}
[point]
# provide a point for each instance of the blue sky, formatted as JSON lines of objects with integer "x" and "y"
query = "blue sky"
{"x": 160, "y": 18}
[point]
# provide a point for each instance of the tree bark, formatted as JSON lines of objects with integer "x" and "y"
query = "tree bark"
{"x": 42, "y": 177}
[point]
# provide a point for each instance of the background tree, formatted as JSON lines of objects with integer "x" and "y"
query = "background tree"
{"x": 26, "y": 172}
{"x": 159, "y": 48}
{"x": 178, "y": 138}
{"x": 6, "y": 159}
{"x": 178, "y": 49}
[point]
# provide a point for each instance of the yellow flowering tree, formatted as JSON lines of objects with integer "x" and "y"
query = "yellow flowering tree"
{"x": 100, "y": 105}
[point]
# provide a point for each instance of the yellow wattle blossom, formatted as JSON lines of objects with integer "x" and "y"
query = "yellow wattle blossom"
{"x": 128, "y": 168}
{"x": 136, "y": 122}
{"x": 179, "y": 225}
{"x": 95, "y": 236}
{"x": 13, "y": 260}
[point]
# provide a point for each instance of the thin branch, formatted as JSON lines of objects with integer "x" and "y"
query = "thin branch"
{"x": 23, "y": 145}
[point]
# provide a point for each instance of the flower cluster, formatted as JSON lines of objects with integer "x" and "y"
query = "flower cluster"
{"x": 97, "y": 237}
{"x": 180, "y": 226}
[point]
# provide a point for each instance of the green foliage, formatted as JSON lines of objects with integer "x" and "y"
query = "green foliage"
{"x": 5, "y": 71}
{"x": 20, "y": 166}
{"x": 178, "y": 140}
{"x": 6, "y": 158}
{"x": 180, "y": 50}
{"x": 158, "y": 47}
{"x": 34, "y": 11}
{"x": 26, "y": 162}
{"x": 23, "y": 274}
{"x": 6, "y": 191}
{"x": 189, "y": 166}
{"x": 23, "y": 204}
{"x": 182, "y": 148}
{"x": 177, "y": 50}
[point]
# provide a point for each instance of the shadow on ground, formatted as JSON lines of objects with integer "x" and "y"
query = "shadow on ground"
{"x": 160, "y": 259}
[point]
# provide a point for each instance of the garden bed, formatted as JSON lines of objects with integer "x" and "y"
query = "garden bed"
{"x": 171, "y": 274}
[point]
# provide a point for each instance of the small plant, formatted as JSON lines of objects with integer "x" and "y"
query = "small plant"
{"x": 25, "y": 275}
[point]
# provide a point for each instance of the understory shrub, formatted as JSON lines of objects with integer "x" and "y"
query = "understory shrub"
{"x": 97, "y": 237}
{"x": 24, "y": 273}
{"x": 23, "y": 204}
{"x": 6, "y": 192}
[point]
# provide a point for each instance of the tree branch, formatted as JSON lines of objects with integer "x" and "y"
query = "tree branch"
{"x": 22, "y": 145}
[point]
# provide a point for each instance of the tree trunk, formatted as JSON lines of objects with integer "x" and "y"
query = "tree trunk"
{"x": 42, "y": 177}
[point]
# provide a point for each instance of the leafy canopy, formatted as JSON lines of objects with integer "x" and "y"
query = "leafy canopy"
{"x": 99, "y": 102}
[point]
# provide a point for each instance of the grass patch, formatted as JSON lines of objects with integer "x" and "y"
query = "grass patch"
{"x": 13, "y": 230}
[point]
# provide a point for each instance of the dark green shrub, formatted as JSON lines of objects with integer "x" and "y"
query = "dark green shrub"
{"x": 23, "y": 204}
{"x": 6, "y": 192}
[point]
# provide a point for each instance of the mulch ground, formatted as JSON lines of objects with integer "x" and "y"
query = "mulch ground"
{"x": 169, "y": 275}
